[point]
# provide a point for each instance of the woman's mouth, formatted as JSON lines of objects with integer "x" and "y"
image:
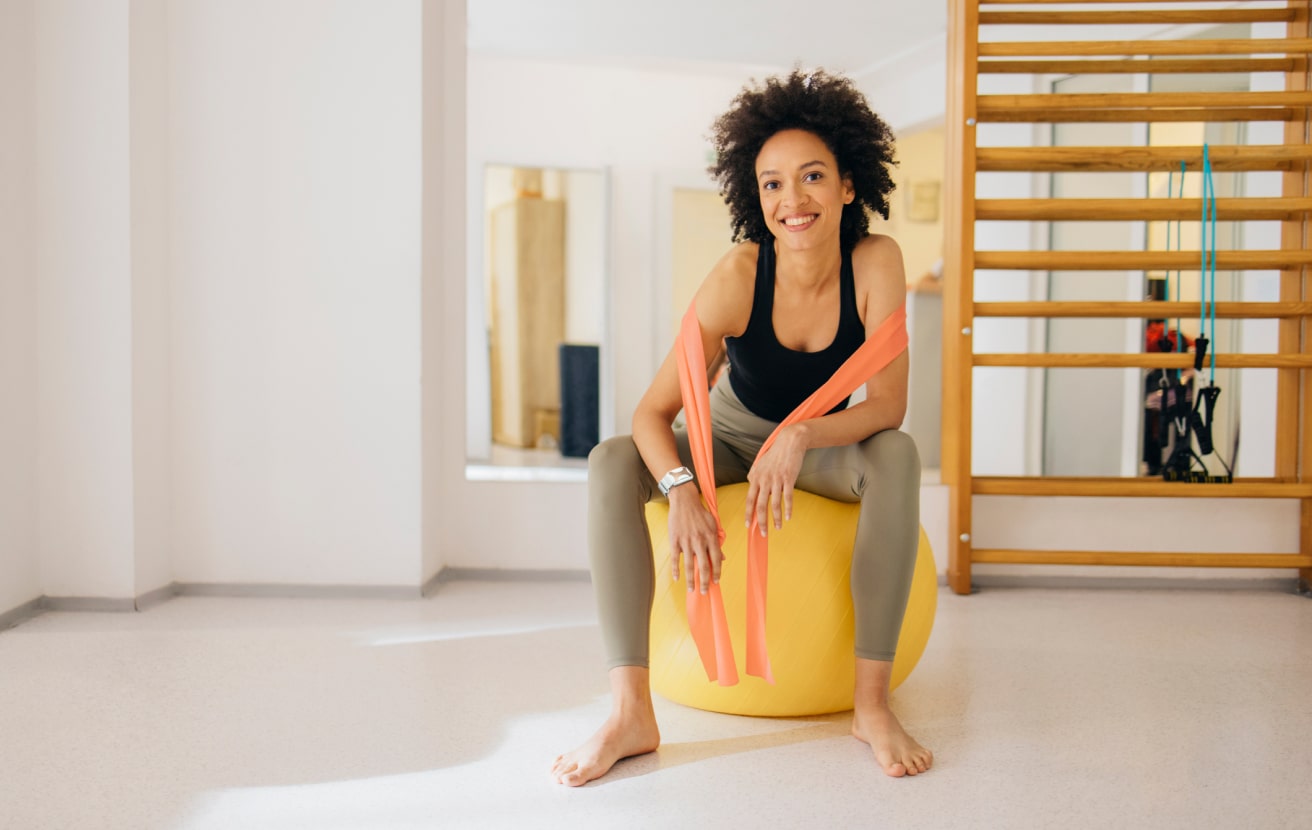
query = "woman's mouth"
{"x": 799, "y": 223}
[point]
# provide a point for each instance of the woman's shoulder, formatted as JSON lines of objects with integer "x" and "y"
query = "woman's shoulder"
{"x": 879, "y": 275}
{"x": 876, "y": 251}
{"x": 724, "y": 302}
{"x": 739, "y": 262}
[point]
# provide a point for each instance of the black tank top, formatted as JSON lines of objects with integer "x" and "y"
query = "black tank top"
{"x": 771, "y": 379}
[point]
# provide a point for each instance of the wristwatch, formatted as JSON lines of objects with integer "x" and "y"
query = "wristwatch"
{"x": 675, "y": 477}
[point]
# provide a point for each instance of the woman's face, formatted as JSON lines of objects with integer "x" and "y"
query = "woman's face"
{"x": 802, "y": 191}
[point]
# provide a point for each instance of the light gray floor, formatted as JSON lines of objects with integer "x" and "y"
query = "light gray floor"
{"x": 1045, "y": 708}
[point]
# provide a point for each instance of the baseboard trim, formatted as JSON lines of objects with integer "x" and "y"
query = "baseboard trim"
{"x": 294, "y": 591}
{"x": 508, "y": 575}
{"x": 430, "y": 585}
{"x": 18, "y": 615}
{"x": 95, "y": 605}
{"x": 1276, "y": 584}
{"x": 152, "y": 598}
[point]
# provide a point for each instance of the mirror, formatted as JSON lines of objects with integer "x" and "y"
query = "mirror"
{"x": 534, "y": 384}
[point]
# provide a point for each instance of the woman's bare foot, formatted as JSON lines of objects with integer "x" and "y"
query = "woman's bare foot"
{"x": 621, "y": 736}
{"x": 896, "y": 751}
{"x": 630, "y": 730}
{"x": 873, "y": 722}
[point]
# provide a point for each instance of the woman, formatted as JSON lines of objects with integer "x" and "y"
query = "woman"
{"x": 800, "y": 160}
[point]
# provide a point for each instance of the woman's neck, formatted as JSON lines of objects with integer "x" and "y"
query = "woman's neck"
{"x": 808, "y": 269}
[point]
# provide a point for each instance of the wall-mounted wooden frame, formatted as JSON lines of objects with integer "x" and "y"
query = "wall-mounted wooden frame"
{"x": 969, "y": 57}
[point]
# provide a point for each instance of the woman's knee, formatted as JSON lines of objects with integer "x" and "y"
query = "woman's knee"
{"x": 614, "y": 457}
{"x": 893, "y": 453}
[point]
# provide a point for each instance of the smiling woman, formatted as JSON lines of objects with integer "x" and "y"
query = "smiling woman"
{"x": 807, "y": 305}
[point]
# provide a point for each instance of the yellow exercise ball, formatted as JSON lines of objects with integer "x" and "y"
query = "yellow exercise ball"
{"x": 808, "y": 613}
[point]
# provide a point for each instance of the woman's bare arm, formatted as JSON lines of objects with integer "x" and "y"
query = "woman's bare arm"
{"x": 724, "y": 304}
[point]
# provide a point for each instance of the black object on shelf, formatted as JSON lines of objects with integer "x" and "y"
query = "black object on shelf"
{"x": 579, "y": 378}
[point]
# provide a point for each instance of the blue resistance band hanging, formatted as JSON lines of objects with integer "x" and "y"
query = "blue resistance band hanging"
{"x": 1207, "y": 274}
{"x": 1205, "y": 406}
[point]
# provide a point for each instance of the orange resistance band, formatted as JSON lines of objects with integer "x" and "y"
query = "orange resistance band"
{"x": 706, "y": 617}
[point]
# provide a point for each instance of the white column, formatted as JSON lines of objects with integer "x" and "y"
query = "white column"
{"x": 82, "y": 267}
{"x": 148, "y": 182}
{"x": 442, "y": 279}
{"x": 19, "y": 572}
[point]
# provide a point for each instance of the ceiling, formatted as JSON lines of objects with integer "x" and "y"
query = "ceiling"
{"x": 850, "y": 36}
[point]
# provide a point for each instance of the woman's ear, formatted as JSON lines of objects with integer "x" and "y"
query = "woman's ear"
{"x": 849, "y": 192}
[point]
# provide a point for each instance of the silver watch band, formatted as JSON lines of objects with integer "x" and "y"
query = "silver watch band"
{"x": 675, "y": 477}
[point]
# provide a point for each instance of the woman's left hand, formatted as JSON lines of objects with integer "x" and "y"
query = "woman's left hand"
{"x": 771, "y": 479}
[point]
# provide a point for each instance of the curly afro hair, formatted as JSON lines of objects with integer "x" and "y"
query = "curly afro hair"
{"x": 829, "y": 106}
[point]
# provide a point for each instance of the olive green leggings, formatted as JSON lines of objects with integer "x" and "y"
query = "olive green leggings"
{"x": 882, "y": 473}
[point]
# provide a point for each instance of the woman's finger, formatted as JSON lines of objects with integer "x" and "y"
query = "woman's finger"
{"x": 704, "y": 570}
{"x": 690, "y": 569}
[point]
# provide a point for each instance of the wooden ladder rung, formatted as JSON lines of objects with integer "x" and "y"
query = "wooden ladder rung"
{"x": 1138, "y": 260}
{"x": 1094, "y": 48}
{"x": 1136, "y": 488}
{"x": 1224, "y": 157}
{"x": 1137, "y": 16}
{"x": 1145, "y": 310}
{"x": 1142, "y": 116}
{"x": 1165, "y": 66}
{"x": 1139, "y": 558}
{"x": 1140, "y": 100}
{"x": 1146, "y": 210}
{"x": 983, "y": 3}
{"x": 1146, "y": 360}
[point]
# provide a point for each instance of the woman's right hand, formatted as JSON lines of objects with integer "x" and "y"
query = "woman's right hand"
{"x": 694, "y": 539}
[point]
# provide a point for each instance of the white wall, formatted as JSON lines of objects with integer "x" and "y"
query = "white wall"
{"x": 81, "y": 262}
{"x": 19, "y": 572}
{"x": 294, "y": 257}
{"x": 585, "y": 258}
{"x": 148, "y": 184}
{"x": 443, "y": 291}
{"x": 909, "y": 90}
{"x": 210, "y": 311}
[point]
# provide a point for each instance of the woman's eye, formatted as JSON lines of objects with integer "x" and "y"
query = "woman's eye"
{"x": 811, "y": 177}
{"x": 770, "y": 186}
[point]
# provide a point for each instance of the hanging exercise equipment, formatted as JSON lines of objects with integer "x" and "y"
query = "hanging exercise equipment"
{"x": 1183, "y": 424}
